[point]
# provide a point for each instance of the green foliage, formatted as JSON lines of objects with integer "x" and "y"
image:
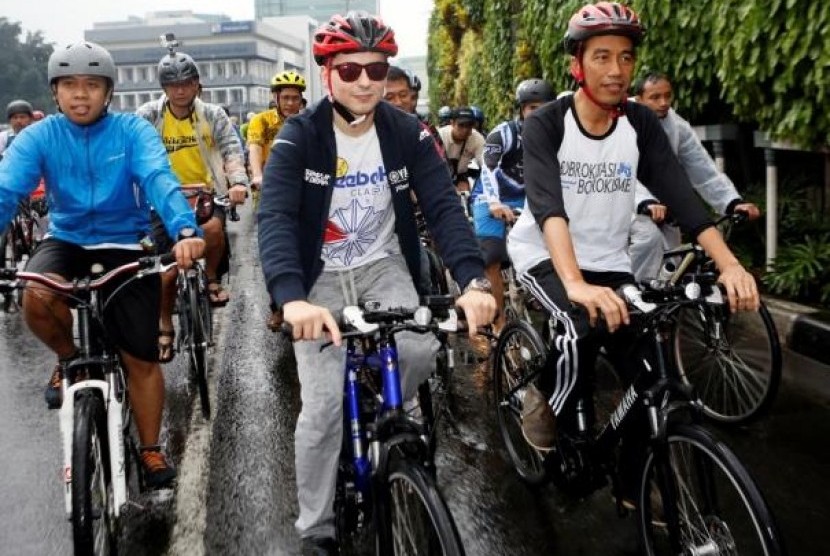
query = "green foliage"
{"x": 802, "y": 270}
{"x": 762, "y": 63}
{"x": 23, "y": 67}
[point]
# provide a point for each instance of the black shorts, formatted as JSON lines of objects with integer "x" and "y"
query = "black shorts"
{"x": 494, "y": 250}
{"x": 132, "y": 318}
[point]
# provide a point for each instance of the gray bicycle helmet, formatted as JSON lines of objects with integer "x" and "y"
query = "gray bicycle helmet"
{"x": 19, "y": 106}
{"x": 177, "y": 67}
{"x": 81, "y": 58}
{"x": 533, "y": 90}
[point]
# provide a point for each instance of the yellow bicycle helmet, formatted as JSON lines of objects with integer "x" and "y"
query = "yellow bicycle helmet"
{"x": 288, "y": 79}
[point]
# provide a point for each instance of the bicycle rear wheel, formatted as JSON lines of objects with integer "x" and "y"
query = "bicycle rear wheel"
{"x": 93, "y": 529}
{"x": 519, "y": 353}
{"x": 733, "y": 360}
{"x": 198, "y": 341}
{"x": 418, "y": 522}
{"x": 718, "y": 508}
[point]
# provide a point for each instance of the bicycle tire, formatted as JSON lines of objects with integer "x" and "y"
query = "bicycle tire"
{"x": 719, "y": 508}
{"x": 417, "y": 521}
{"x": 198, "y": 345}
{"x": 519, "y": 347}
{"x": 93, "y": 531}
{"x": 736, "y": 374}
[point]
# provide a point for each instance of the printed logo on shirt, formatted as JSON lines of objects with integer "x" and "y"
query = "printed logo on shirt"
{"x": 587, "y": 178}
{"x": 316, "y": 178}
{"x": 173, "y": 144}
{"x": 425, "y": 134}
{"x": 351, "y": 231}
{"x": 493, "y": 149}
{"x": 360, "y": 178}
{"x": 342, "y": 167}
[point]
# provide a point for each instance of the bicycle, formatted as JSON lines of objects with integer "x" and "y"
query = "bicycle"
{"x": 20, "y": 240}
{"x": 736, "y": 375}
{"x": 100, "y": 454}
{"x": 386, "y": 480}
{"x": 693, "y": 495}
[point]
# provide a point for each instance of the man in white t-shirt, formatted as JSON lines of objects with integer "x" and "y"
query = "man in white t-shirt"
{"x": 462, "y": 145}
{"x": 583, "y": 155}
{"x": 337, "y": 228}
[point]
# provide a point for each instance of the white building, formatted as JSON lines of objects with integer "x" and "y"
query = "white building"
{"x": 236, "y": 59}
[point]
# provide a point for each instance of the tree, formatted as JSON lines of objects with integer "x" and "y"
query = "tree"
{"x": 23, "y": 67}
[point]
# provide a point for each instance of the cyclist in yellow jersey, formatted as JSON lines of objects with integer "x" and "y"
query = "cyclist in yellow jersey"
{"x": 204, "y": 151}
{"x": 287, "y": 88}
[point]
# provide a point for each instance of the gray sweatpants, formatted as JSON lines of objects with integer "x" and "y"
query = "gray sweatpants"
{"x": 322, "y": 376}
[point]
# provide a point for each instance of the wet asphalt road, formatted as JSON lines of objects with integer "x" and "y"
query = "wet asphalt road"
{"x": 236, "y": 492}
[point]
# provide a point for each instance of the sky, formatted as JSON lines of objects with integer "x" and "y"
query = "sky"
{"x": 64, "y": 21}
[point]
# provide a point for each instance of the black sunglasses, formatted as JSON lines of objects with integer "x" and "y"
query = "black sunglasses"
{"x": 350, "y": 71}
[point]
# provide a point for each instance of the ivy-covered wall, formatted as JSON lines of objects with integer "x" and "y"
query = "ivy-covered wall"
{"x": 762, "y": 63}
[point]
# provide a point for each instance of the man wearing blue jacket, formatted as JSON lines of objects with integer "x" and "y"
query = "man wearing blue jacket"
{"x": 103, "y": 172}
{"x": 337, "y": 228}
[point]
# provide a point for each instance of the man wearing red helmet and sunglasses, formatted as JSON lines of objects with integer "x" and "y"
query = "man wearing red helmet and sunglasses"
{"x": 337, "y": 228}
{"x": 583, "y": 155}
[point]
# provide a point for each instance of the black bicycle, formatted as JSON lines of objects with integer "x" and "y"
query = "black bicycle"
{"x": 733, "y": 359}
{"x": 386, "y": 494}
{"x": 195, "y": 335}
{"x": 20, "y": 240}
{"x": 693, "y": 495}
{"x": 100, "y": 454}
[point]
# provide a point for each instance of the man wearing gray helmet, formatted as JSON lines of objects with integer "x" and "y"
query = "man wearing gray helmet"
{"x": 20, "y": 114}
{"x": 104, "y": 171}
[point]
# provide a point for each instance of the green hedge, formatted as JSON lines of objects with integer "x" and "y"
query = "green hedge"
{"x": 762, "y": 63}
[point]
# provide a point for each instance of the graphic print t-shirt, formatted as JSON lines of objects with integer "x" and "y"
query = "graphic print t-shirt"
{"x": 361, "y": 224}
{"x": 179, "y": 138}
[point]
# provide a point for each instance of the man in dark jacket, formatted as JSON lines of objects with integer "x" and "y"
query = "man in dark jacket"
{"x": 337, "y": 227}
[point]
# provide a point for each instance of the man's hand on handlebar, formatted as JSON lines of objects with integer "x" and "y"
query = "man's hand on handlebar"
{"x": 479, "y": 309}
{"x": 658, "y": 212}
{"x": 599, "y": 300}
{"x": 741, "y": 289}
{"x": 188, "y": 250}
{"x": 750, "y": 209}
{"x": 237, "y": 194}
{"x": 502, "y": 212}
{"x": 310, "y": 322}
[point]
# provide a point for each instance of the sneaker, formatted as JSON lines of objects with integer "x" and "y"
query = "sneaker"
{"x": 158, "y": 473}
{"x": 538, "y": 420}
{"x": 53, "y": 393}
{"x": 319, "y": 546}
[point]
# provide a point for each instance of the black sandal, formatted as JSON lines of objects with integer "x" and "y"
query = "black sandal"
{"x": 166, "y": 350}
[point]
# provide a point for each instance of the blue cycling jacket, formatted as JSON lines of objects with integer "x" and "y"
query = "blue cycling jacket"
{"x": 100, "y": 179}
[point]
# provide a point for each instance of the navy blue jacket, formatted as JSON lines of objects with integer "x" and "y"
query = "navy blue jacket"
{"x": 297, "y": 188}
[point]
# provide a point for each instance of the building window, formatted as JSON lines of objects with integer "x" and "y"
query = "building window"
{"x": 126, "y": 75}
{"x": 220, "y": 96}
{"x": 143, "y": 97}
{"x": 204, "y": 71}
{"x": 115, "y": 105}
{"x": 237, "y": 96}
{"x": 236, "y": 69}
{"x": 142, "y": 74}
{"x": 128, "y": 102}
{"x": 220, "y": 69}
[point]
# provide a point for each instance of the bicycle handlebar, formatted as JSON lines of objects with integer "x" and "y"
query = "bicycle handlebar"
{"x": 664, "y": 296}
{"x": 143, "y": 266}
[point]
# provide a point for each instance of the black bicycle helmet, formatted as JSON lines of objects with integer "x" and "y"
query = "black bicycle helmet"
{"x": 177, "y": 67}
{"x": 534, "y": 90}
{"x": 19, "y": 106}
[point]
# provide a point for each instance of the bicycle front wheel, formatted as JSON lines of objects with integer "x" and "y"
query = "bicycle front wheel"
{"x": 717, "y": 508}
{"x": 199, "y": 342}
{"x": 520, "y": 353}
{"x": 732, "y": 359}
{"x": 418, "y": 521}
{"x": 93, "y": 527}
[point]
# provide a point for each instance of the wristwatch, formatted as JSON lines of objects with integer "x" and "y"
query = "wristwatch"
{"x": 187, "y": 233}
{"x": 479, "y": 285}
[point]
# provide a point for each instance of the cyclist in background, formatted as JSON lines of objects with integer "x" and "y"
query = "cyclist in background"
{"x": 204, "y": 153}
{"x": 19, "y": 114}
{"x": 583, "y": 154}
{"x": 402, "y": 90}
{"x": 444, "y": 116}
{"x": 287, "y": 88}
{"x": 101, "y": 222}
{"x": 651, "y": 232}
{"x": 501, "y": 188}
{"x": 337, "y": 228}
{"x": 478, "y": 115}
{"x": 462, "y": 144}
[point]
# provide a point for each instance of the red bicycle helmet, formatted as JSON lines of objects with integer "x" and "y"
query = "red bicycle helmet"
{"x": 602, "y": 18}
{"x": 354, "y": 32}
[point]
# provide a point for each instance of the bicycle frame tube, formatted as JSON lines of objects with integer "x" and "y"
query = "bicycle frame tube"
{"x": 360, "y": 457}
{"x": 392, "y": 396}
